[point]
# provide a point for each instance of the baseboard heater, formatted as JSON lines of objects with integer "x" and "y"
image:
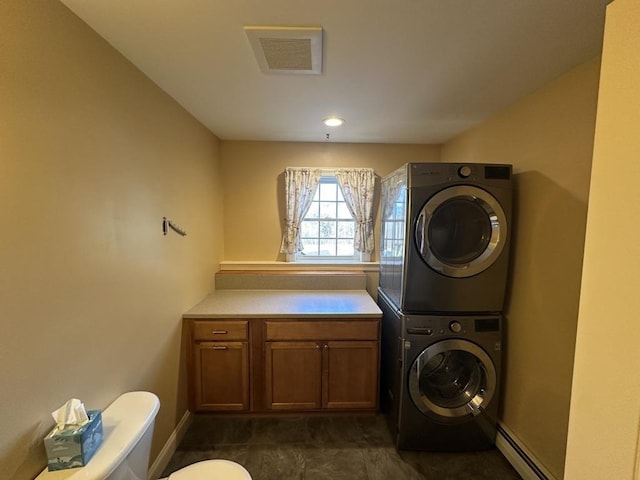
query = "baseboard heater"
{"x": 521, "y": 460}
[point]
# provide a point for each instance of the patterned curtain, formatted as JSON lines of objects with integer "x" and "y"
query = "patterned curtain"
{"x": 300, "y": 187}
{"x": 357, "y": 185}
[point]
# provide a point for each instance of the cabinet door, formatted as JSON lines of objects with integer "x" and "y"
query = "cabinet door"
{"x": 221, "y": 376}
{"x": 293, "y": 372}
{"x": 350, "y": 376}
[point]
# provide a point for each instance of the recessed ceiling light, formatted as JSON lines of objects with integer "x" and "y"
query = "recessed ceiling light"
{"x": 333, "y": 121}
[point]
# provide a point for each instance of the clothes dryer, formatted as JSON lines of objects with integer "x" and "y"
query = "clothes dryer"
{"x": 445, "y": 237}
{"x": 440, "y": 379}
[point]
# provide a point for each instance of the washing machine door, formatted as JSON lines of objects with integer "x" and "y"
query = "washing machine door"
{"x": 452, "y": 378}
{"x": 461, "y": 231}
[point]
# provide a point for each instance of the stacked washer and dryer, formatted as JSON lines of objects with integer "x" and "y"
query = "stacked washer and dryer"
{"x": 444, "y": 258}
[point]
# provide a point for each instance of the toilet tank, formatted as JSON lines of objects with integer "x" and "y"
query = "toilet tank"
{"x": 124, "y": 454}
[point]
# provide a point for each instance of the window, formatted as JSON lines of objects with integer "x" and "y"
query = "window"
{"x": 327, "y": 230}
{"x": 328, "y": 214}
{"x": 393, "y": 227}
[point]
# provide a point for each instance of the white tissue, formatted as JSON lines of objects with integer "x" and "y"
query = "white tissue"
{"x": 71, "y": 413}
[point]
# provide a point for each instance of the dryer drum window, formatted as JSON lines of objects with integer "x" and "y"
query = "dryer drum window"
{"x": 452, "y": 378}
{"x": 461, "y": 231}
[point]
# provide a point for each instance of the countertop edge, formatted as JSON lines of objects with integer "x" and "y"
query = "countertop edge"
{"x": 285, "y": 304}
{"x": 335, "y": 316}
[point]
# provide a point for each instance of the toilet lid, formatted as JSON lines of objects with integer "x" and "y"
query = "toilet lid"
{"x": 211, "y": 470}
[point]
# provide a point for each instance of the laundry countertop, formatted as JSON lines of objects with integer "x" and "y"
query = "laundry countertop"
{"x": 227, "y": 303}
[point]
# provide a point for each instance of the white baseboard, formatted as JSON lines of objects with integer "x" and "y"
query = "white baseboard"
{"x": 522, "y": 460}
{"x": 164, "y": 457}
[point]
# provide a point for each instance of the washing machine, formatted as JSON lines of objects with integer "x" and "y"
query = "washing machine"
{"x": 440, "y": 379}
{"x": 445, "y": 236}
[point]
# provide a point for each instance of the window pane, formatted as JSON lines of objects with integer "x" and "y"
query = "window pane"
{"x": 343, "y": 211}
{"x": 397, "y": 249}
{"x": 327, "y": 247}
{"x": 327, "y": 210}
{"x": 328, "y": 192}
{"x": 314, "y": 211}
{"x": 398, "y": 230}
{"x": 398, "y": 210}
{"x": 309, "y": 228}
{"x": 327, "y": 229}
{"x": 386, "y": 248}
{"x": 310, "y": 247}
{"x": 345, "y": 247}
{"x": 346, "y": 230}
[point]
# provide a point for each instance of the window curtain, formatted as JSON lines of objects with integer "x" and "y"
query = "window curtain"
{"x": 357, "y": 185}
{"x": 300, "y": 187}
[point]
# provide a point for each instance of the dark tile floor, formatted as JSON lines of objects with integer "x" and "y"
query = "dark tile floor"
{"x": 326, "y": 448}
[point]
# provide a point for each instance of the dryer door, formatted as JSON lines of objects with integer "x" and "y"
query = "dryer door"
{"x": 461, "y": 231}
{"x": 452, "y": 378}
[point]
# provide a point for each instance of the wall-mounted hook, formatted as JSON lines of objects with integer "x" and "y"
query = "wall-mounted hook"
{"x": 166, "y": 224}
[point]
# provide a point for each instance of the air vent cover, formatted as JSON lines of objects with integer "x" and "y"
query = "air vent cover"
{"x": 287, "y": 49}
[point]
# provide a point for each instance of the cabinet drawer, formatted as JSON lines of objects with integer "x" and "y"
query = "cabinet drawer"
{"x": 221, "y": 372}
{"x": 322, "y": 330}
{"x": 213, "y": 330}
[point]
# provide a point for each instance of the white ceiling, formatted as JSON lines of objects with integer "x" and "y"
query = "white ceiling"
{"x": 398, "y": 71}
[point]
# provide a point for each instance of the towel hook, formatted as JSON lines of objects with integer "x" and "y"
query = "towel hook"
{"x": 166, "y": 223}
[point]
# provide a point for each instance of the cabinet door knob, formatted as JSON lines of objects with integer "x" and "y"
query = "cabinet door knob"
{"x": 325, "y": 346}
{"x": 219, "y": 332}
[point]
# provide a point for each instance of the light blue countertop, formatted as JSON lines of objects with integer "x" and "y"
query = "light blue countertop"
{"x": 286, "y": 304}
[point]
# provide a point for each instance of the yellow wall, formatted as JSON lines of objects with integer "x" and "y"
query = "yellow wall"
{"x": 254, "y": 186}
{"x": 92, "y": 155}
{"x": 605, "y": 403}
{"x": 548, "y": 137}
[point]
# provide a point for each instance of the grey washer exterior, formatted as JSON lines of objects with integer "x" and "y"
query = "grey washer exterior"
{"x": 445, "y": 237}
{"x": 461, "y": 413}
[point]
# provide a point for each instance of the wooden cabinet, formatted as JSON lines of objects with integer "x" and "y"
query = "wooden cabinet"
{"x": 275, "y": 365}
{"x": 220, "y": 365}
{"x": 350, "y": 375}
{"x": 317, "y": 364}
{"x": 293, "y": 375}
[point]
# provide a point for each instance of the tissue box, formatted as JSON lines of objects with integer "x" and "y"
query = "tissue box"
{"x": 74, "y": 446}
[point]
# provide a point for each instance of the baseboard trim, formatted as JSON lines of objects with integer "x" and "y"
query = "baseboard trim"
{"x": 522, "y": 460}
{"x": 164, "y": 457}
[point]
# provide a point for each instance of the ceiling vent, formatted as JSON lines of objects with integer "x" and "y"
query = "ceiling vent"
{"x": 287, "y": 49}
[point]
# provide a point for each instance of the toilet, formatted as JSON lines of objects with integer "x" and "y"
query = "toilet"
{"x": 210, "y": 469}
{"x": 124, "y": 453}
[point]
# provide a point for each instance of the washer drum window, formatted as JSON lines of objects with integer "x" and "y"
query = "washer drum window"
{"x": 461, "y": 231}
{"x": 452, "y": 378}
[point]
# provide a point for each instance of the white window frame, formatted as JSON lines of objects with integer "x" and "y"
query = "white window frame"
{"x": 355, "y": 258}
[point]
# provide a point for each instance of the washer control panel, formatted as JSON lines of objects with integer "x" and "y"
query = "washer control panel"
{"x": 464, "y": 171}
{"x": 420, "y": 331}
{"x": 442, "y": 326}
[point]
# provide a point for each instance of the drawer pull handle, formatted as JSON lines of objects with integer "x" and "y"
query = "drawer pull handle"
{"x": 219, "y": 347}
{"x": 219, "y": 332}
